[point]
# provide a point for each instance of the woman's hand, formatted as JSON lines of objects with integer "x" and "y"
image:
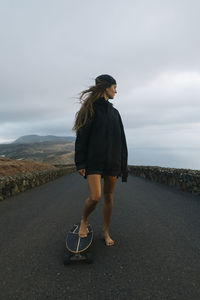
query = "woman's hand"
{"x": 82, "y": 172}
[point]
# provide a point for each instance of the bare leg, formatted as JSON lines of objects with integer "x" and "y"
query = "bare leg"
{"x": 94, "y": 183}
{"x": 87, "y": 209}
{"x": 109, "y": 182}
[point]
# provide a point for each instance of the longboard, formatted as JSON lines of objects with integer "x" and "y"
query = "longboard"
{"x": 77, "y": 247}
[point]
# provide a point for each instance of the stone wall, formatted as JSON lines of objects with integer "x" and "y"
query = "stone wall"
{"x": 11, "y": 185}
{"x": 185, "y": 179}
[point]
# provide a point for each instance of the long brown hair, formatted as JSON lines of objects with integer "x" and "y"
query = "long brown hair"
{"x": 86, "y": 111}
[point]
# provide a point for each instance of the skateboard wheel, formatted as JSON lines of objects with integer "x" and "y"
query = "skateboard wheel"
{"x": 66, "y": 260}
{"x": 88, "y": 258}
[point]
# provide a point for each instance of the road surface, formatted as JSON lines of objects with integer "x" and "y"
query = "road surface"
{"x": 156, "y": 255}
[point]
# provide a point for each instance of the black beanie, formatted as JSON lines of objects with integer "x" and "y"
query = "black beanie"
{"x": 105, "y": 78}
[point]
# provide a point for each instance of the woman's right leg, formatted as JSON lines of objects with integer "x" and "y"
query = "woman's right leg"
{"x": 94, "y": 183}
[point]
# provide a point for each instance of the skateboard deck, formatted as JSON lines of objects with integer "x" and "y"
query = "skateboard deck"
{"x": 78, "y": 246}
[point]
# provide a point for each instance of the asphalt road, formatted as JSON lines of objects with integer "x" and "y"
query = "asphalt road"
{"x": 156, "y": 253}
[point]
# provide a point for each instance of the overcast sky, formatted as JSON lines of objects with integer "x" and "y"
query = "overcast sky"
{"x": 52, "y": 50}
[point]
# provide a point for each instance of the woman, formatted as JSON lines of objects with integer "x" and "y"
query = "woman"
{"x": 100, "y": 149}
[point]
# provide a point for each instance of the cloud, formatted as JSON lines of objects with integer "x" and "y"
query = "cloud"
{"x": 52, "y": 51}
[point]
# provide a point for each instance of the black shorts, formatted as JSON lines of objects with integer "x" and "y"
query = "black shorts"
{"x": 102, "y": 173}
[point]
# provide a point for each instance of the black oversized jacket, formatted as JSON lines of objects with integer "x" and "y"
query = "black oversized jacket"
{"x": 101, "y": 143}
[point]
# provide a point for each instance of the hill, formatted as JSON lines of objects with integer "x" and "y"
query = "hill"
{"x": 34, "y": 138}
{"x": 43, "y": 149}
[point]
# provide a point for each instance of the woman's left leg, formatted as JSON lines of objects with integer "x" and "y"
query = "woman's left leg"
{"x": 108, "y": 190}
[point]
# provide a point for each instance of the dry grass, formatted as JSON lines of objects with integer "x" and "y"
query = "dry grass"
{"x": 9, "y": 167}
